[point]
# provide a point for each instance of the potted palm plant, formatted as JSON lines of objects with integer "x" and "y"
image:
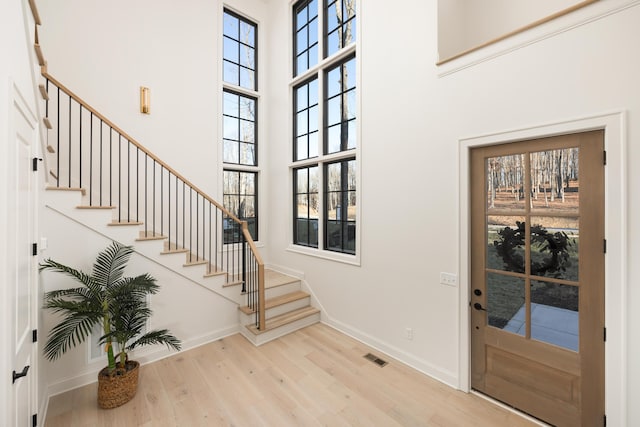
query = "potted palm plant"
{"x": 119, "y": 305}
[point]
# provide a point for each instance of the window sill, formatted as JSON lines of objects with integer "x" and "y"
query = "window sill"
{"x": 327, "y": 255}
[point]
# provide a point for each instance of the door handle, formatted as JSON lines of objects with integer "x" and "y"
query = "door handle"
{"x": 17, "y": 375}
{"x": 479, "y": 306}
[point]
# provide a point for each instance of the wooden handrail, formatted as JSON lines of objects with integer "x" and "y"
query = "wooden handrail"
{"x": 34, "y": 12}
{"x": 138, "y": 145}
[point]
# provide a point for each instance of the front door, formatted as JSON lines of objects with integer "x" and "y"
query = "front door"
{"x": 21, "y": 261}
{"x": 537, "y": 276}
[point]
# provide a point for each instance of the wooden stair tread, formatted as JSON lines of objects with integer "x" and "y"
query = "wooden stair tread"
{"x": 273, "y": 279}
{"x": 121, "y": 223}
{"x": 94, "y": 207}
{"x": 52, "y": 188}
{"x": 43, "y": 90}
{"x": 148, "y": 235}
{"x": 174, "y": 251}
{"x": 195, "y": 261}
{"x": 51, "y": 149}
{"x": 284, "y": 319}
{"x": 279, "y": 300}
{"x": 214, "y": 273}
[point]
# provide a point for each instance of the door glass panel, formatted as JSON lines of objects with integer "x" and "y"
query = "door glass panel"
{"x": 554, "y": 247}
{"x": 554, "y": 314}
{"x": 505, "y": 243}
{"x": 505, "y": 303}
{"x": 554, "y": 180}
{"x": 505, "y": 182}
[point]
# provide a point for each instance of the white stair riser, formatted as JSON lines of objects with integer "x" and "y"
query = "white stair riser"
{"x": 246, "y": 319}
{"x": 277, "y": 291}
{"x": 281, "y": 331}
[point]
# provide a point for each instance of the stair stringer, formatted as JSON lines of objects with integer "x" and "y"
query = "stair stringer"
{"x": 66, "y": 203}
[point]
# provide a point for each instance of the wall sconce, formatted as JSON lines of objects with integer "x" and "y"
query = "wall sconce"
{"x": 145, "y": 100}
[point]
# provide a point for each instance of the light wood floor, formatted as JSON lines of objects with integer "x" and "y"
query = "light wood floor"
{"x": 316, "y": 376}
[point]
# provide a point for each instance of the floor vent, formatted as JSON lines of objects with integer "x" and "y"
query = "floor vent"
{"x": 375, "y": 359}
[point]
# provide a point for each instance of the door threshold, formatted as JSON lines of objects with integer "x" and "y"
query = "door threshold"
{"x": 510, "y": 408}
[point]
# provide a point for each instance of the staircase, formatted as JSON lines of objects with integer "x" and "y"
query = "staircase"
{"x": 101, "y": 177}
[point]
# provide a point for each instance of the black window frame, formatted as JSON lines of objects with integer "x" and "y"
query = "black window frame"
{"x": 305, "y": 5}
{"x": 231, "y": 230}
{"x": 326, "y": 32}
{"x": 307, "y": 110}
{"x": 240, "y": 119}
{"x": 240, "y": 44}
{"x": 343, "y": 95}
{"x": 344, "y": 225}
{"x": 309, "y": 221}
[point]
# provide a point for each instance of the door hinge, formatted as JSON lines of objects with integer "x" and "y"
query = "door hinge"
{"x": 604, "y": 420}
{"x": 604, "y": 157}
{"x": 604, "y": 247}
{"x": 34, "y": 420}
{"x": 34, "y": 249}
{"x": 34, "y": 164}
{"x": 604, "y": 334}
{"x": 34, "y": 335}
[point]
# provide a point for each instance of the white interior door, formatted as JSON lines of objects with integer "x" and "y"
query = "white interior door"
{"x": 22, "y": 263}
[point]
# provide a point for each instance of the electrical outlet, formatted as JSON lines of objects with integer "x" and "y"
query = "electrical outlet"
{"x": 408, "y": 333}
{"x": 448, "y": 279}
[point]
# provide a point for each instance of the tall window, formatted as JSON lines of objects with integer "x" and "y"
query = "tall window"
{"x": 325, "y": 126}
{"x": 240, "y": 124}
{"x": 239, "y": 51}
{"x": 305, "y": 37}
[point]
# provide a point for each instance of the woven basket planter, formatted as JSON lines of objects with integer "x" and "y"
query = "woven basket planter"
{"x": 119, "y": 387}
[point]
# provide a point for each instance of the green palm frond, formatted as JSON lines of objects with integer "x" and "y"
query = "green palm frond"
{"x": 162, "y": 336}
{"x": 49, "y": 264}
{"x": 73, "y": 330}
{"x": 110, "y": 264}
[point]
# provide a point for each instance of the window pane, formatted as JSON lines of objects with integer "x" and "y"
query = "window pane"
{"x": 247, "y": 131}
{"x": 301, "y": 148}
{"x": 554, "y": 247}
{"x": 313, "y": 56}
{"x": 301, "y": 40}
{"x": 353, "y": 135}
{"x": 334, "y": 82}
{"x": 506, "y": 243}
{"x": 301, "y": 18}
{"x": 231, "y": 26}
{"x": 301, "y": 63}
{"x": 247, "y": 34}
{"x": 333, "y": 111}
{"x": 333, "y": 43}
{"x": 506, "y": 303}
{"x": 313, "y": 92}
{"x": 350, "y": 74}
{"x": 247, "y": 108}
{"x": 303, "y": 206}
{"x": 247, "y": 154}
{"x": 350, "y": 32}
{"x": 313, "y": 32}
{"x": 231, "y": 73}
{"x": 301, "y": 123}
{"x": 333, "y": 139}
{"x": 554, "y": 314}
{"x": 334, "y": 176}
{"x": 332, "y": 16}
{"x": 554, "y": 180}
{"x": 313, "y": 9}
{"x": 247, "y": 78}
{"x": 301, "y": 98}
{"x": 505, "y": 182}
{"x": 313, "y": 119}
{"x": 230, "y": 50}
{"x": 230, "y": 128}
{"x": 351, "y": 109}
{"x": 247, "y": 57}
{"x": 230, "y": 107}
{"x": 348, "y": 9}
{"x": 313, "y": 182}
{"x": 313, "y": 144}
{"x": 302, "y": 176}
{"x": 231, "y": 151}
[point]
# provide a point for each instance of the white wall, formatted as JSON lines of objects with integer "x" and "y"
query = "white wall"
{"x": 412, "y": 121}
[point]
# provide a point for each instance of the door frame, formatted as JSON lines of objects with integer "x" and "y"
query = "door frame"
{"x": 615, "y": 143}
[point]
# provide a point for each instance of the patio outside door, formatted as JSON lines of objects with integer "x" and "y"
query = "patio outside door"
{"x": 537, "y": 276}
